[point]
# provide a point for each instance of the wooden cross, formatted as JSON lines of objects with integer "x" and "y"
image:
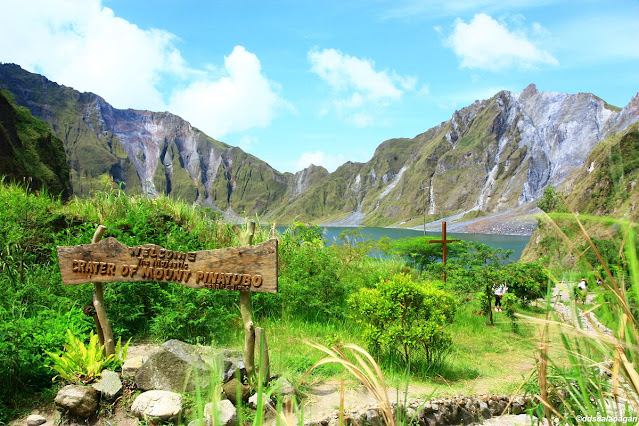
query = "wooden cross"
{"x": 443, "y": 242}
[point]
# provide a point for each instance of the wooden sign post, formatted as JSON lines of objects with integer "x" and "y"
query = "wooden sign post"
{"x": 245, "y": 269}
{"x": 250, "y": 268}
{"x": 443, "y": 242}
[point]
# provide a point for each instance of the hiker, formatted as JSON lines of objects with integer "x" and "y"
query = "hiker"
{"x": 582, "y": 289}
{"x": 499, "y": 293}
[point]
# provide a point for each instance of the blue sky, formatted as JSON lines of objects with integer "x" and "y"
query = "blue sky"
{"x": 323, "y": 82}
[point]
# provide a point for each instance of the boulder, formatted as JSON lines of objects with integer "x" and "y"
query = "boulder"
{"x": 157, "y": 406}
{"x": 374, "y": 417}
{"x": 233, "y": 388}
{"x": 77, "y": 400}
{"x": 233, "y": 362}
{"x": 229, "y": 362}
{"x": 174, "y": 367}
{"x": 132, "y": 365}
{"x": 283, "y": 389}
{"x": 35, "y": 420}
{"x": 109, "y": 385}
{"x": 266, "y": 402}
{"x": 226, "y": 412}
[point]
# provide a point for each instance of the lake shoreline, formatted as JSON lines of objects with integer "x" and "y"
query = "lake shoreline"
{"x": 520, "y": 221}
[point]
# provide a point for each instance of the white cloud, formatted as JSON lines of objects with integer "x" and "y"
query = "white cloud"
{"x": 487, "y": 44}
{"x": 345, "y": 73}
{"x": 82, "y": 44}
{"x": 243, "y": 99}
{"x": 319, "y": 158}
{"x": 361, "y": 90}
{"x": 424, "y": 91}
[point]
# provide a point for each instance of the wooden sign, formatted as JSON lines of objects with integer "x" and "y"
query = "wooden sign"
{"x": 249, "y": 268}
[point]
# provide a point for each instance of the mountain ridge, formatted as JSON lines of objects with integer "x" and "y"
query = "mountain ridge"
{"x": 493, "y": 156}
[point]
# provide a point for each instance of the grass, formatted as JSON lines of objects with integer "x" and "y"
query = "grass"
{"x": 600, "y": 377}
{"x": 484, "y": 359}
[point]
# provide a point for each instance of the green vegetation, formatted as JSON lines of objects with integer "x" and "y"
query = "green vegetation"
{"x": 80, "y": 364}
{"x": 316, "y": 283}
{"x": 30, "y": 150}
{"x": 402, "y": 315}
{"x": 551, "y": 200}
{"x": 598, "y": 378}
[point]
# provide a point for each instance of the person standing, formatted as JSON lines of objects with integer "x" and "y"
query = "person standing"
{"x": 499, "y": 293}
{"x": 582, "y": 289}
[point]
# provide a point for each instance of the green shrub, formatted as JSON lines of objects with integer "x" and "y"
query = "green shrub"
{"x": 527, "y": 281}
{"x": 84, "y": 364}
{"x": 194, "y": 315}
{"x": 310, "y": 287}
{"x": 404, "y": 316}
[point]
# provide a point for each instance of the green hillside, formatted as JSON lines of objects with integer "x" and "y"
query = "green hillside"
{"x": 30, "y": 150}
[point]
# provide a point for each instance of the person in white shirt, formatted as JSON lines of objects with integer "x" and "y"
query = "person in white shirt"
{"x": 583, "y": 289}
{"x": 499, "y": 293}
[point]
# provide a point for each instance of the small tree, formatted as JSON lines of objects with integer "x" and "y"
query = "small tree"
{"x": 405, "y": 316}
{"x": 527, "y": 281}
{"x": 419, "y": 253}
{"x": 478, "y": 267}
{"x": 552, "y": 200}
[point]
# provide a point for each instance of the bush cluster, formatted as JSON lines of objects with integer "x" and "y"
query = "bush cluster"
{"x": 401, "y": 315}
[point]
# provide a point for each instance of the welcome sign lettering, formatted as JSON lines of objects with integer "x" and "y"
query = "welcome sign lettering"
{"x": 249, "y": 268}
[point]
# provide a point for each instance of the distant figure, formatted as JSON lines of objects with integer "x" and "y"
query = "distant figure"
{"x": 582, "y": 289}
{"x": 499, "y": 293}
{"x": 583, "y": 285}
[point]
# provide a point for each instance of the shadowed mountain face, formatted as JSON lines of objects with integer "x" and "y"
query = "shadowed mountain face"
{"x": 30, "y": 152}
{"x": 492, "y": 156}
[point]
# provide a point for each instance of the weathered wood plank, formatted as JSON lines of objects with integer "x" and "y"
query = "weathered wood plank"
{"x": 248, "y": 268}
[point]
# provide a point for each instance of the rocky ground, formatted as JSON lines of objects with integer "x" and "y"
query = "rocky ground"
{"x": 521, "y": 221}
{"x": 321, "y": 401}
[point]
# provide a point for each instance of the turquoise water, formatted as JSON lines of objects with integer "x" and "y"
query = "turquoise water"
{"x": 506, "y": 242}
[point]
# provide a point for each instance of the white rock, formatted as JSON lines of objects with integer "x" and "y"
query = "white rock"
{"x": 226, "y": 412}
{"x": 35, "y": 420}
{"x": 157, "y": 405}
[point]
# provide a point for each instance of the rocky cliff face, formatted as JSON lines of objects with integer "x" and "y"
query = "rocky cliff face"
{"x": 605, "y": 186}
{"x": 146, "y": 152}
{"x": 493, "y": 156}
